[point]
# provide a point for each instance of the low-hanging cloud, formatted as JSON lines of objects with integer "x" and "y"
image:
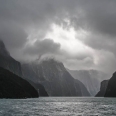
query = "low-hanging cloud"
{"x": 41, "y": 47}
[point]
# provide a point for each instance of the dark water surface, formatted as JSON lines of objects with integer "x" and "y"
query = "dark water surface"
{"x": 58, "y": 106}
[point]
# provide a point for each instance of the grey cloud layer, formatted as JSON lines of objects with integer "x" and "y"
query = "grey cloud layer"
{"x": 41, "y": 47}
{"x": 19, "y": 17}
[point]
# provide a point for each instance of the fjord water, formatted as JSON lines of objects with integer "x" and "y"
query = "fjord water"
{"x": 58, "y": 106}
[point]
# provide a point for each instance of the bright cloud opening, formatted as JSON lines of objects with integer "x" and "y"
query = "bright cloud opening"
{"x": 70, "y": 39}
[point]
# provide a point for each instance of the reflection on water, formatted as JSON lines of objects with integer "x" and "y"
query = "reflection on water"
{"x": 62, "y": 106}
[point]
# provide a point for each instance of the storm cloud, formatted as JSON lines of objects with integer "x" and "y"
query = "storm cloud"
{"x": 25, "y": 27}
{"x": 41, "y": 47}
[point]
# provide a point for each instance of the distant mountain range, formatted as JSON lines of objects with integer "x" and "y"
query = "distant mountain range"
{"x": 90, "y": 78}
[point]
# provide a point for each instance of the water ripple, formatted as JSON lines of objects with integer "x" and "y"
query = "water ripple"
{"x": 54, "y": 106}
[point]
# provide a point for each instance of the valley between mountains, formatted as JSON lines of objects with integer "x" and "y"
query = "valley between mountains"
{"x": 50, "y": 78}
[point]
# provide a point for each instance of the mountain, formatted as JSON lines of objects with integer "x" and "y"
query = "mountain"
{"x": 13, "y": 86}
{"x": 55, "y": 78}
{"x": 103, "y": 88}
{"x": 90, "y": 78}
{"x": 7, "y": 62}
{"x": 41, "y": 90}
{"x": 111, "y": 88}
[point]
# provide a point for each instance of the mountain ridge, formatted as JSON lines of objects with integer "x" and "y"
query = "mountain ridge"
{"x": 54, "y": 77}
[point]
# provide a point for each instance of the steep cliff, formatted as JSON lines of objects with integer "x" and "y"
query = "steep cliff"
{"x": 39, "y": 87}
{"x": 7, "y": 62}
{"x": 13, "y": 86}
{"x": 111, "y": 88}
{"x": 55, "y": 78}
{"x": 103, "y": 88}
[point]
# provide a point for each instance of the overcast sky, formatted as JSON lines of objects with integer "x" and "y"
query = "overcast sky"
{"x": 80, "y": 33}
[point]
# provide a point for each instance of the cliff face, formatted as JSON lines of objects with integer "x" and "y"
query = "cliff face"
{"x": 111, "y": 88}
{"x": 39, "y": 87}
{"x": 103, "y": 88}
{"x": 90, "y": 78}
{"x": 13, "y": 86}
{"x": 55, "y": 78}
{"x": 7, "y": 62}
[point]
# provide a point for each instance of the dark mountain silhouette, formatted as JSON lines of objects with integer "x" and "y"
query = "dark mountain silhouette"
{"x": 9, "y": 63}
{"x": 39, "y": 87}
{"x": 103, "y": 88}
{"x": 13, "y": 86}
{"x": 55, "y": 78}
{"x": 111, "y": 88}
